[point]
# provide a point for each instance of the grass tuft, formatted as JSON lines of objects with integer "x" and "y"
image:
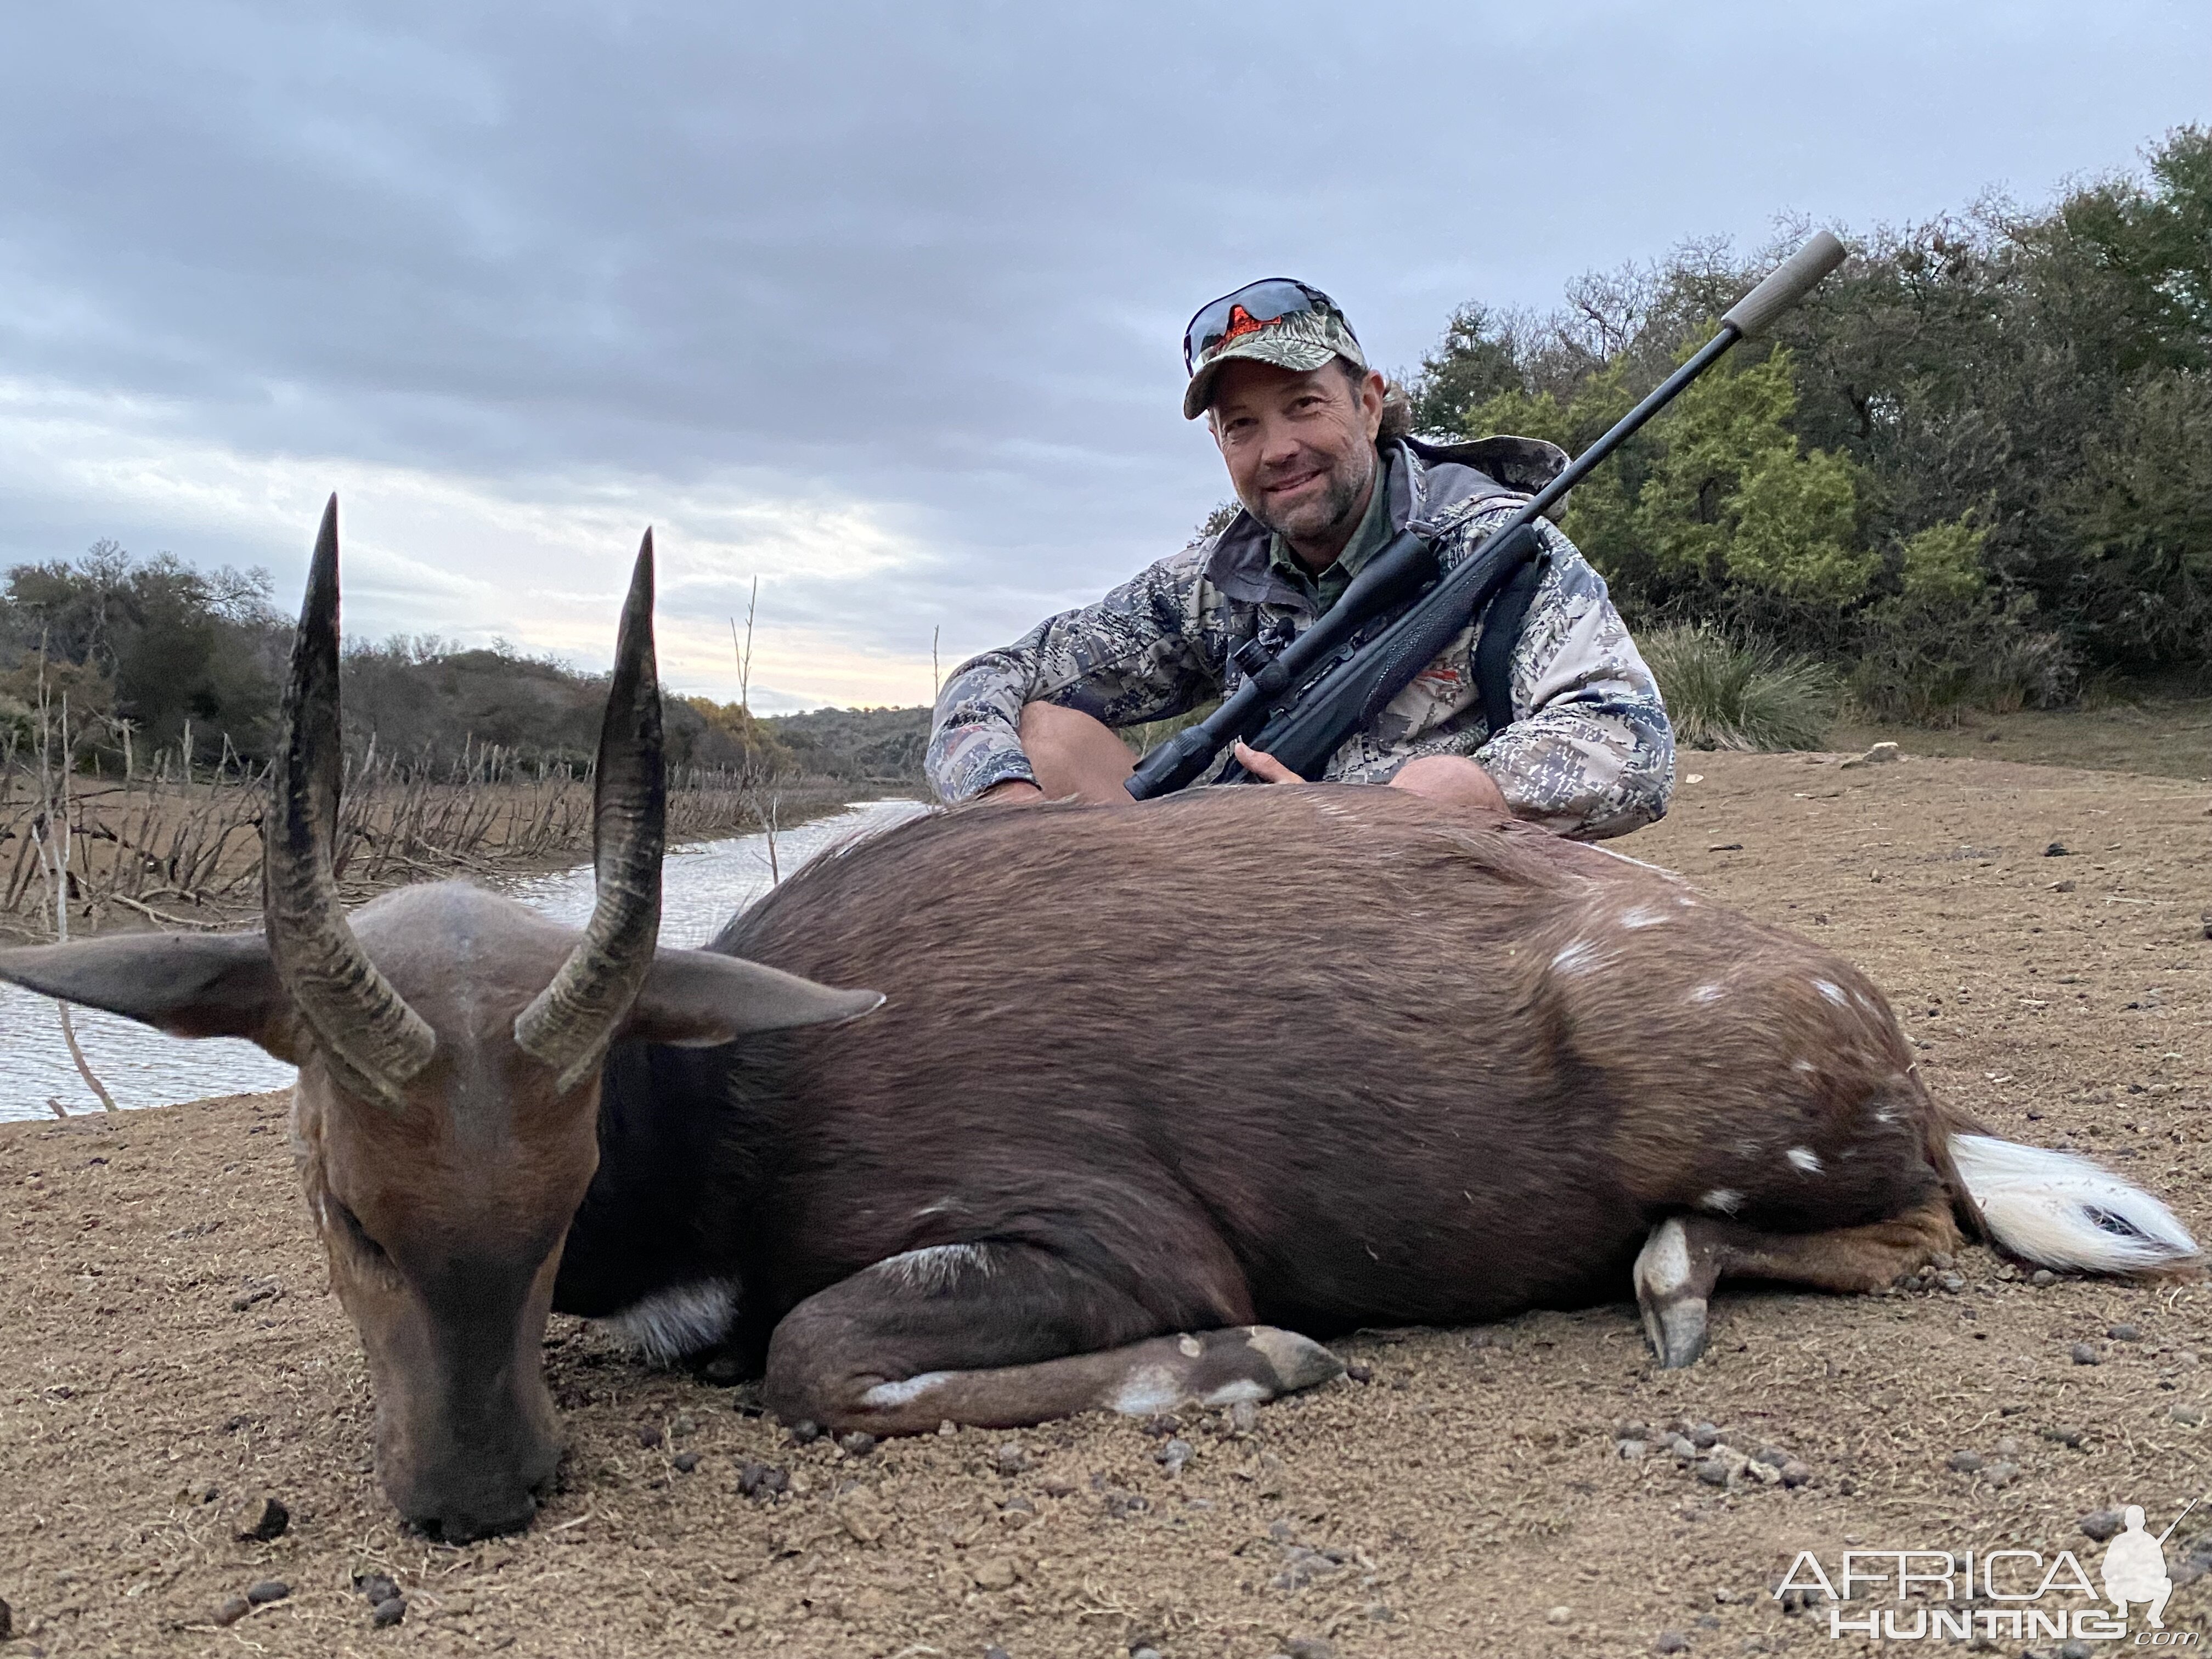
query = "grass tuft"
{"x": 1728, "y": 693}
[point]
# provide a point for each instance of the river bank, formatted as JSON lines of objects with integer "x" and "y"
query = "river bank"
{"x": 704, "y": 883}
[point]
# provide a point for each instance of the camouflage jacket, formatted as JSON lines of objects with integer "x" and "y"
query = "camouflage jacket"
{"x": 1589, "y": 752}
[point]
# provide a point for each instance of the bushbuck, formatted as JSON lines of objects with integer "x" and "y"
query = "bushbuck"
{"x": 1144, "y": 1102}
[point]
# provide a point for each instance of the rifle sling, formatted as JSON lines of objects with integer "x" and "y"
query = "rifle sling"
{"x": 1501, "y": 621}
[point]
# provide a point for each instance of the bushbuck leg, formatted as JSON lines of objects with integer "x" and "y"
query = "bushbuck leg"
{"x": 1687, "y": 1254}
{"x": 1004, "y": 1335}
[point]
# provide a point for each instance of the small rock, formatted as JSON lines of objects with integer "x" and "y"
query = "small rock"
{"x": 268, "y": 1590}
{"x": 1954, "y": 1282}
{"x": 1796, "y": 1473}
{"x": 2062, "y": 886}
{"x": 1671, "y": 1641}
{"x": 862, "y": 1519}
{"x": 1713, "y": 1472}
{"x": 2001, "y": 1475}
{"x": 2064, "y": 1435}
{"x": 805, "y": 1432}
{"x": 231, "y": 1609}
{"x": 1631, "y": 1449}
{"x": 1558, "y": 1615}
{"x": 1244, "y": 1417}
{"x": 859, "y": 1444}
{"x": 2056, "y": 850}
{"x": 1705, "y": 1436}
{"x": 2086, "y": 1355}
{"x": 1309, "y": 1647}
{"x": 997, "y": 1653}
{"x": 2188, "y": 1417}
{"x": 1057, "y": 1487}
{"x": 1010, "y": 1459}
{"x": 763, "y": 1480}
{"x": 1964, "y": 1462}
{"x": 2041, "y": 1277}
{"x": 685, "y": 1462}
{"x": 2077, "y": 1649}
{"x": 2008, "y": 1446}
{"x": 995, "y": 1574}
{"x": 376, "y": 1587}
{"x": 2102, "y": 1524}
{"x": 1725, "y": 847}
{"x": 388, "y": 1611}
{"x": 648, "y": 1436}
{"x": 1162, "y": 1425}
{"x": 259, "y": 1519}
{"x": 2125, "y": 1332}
{"x": 1681, "y": 1448}
{"x": 1174, "y": 1455}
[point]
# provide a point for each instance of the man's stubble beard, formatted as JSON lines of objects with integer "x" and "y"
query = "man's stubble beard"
{"x": 1337, "y": 510}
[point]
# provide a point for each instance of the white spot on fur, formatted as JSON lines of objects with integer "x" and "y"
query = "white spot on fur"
{"x": 1833, "y": 993}
{"x": 1191, "y": 1346}
{"x": 1805, "y": 1066}
{"x": 669, "y": 1324}
{"x": 1885, "y": 1116}
{"x": 1640, "y": 917}
{"x": 1575, "y": 957}
{"x": 1722, "y": 1201}
{"x": 1706, "y": 994}
{"x": 1664, "y": 1263}
{"x": 1147, "y": 1389}
{"x": 1231, "y": 1394}
{"x": 936, "y": 1269}
{"x": 901, "y": 1394}
{"x": 1806, "y": 1159}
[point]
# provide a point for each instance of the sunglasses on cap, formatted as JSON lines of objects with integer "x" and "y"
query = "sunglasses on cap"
{"x": 1249, "y": 309}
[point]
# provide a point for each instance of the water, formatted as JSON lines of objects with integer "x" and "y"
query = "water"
{"x": 702, "y": 885}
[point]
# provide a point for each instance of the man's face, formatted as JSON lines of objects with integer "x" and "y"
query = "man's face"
{"x": 1300, "y": 447}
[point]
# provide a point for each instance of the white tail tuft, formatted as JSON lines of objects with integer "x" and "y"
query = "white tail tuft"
{"x": 2064, "y": 1212}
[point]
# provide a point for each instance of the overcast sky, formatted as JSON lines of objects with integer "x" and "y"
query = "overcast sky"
{"x": 880, "y": 305}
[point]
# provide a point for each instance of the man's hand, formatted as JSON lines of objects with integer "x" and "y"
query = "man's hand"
{"x": 1264, "y": 767}
{"x": 1014, "y": 791}
{"x": 1451, "y": 778}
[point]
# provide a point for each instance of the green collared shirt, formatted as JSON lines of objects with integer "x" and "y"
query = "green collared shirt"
{"x": 1326, "y": 589}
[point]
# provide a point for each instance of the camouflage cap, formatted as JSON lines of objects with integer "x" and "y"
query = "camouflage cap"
{"x": 1301, "y": 339}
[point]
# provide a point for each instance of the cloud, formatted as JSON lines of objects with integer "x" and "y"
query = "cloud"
{"x": 878, "y": 303}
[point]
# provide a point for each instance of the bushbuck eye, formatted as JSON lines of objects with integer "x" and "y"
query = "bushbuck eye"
{"x": 348, "y": 1225}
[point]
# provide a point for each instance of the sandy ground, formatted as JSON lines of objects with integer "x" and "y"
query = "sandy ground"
{"x": 168, "y": 1348}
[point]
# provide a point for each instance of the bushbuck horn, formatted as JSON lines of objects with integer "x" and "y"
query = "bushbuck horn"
{"x": 358, "y": 1019}
{"x": 573, "y": 1018}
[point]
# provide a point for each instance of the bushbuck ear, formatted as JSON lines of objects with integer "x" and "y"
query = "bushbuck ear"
{"x": 189, "y": 984}
{"x": 695, "y": 999}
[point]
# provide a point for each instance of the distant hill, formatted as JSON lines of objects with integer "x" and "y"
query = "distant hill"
{"x": 878, "y": 746}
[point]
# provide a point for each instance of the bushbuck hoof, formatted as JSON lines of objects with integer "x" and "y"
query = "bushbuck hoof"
{"x": 1671, "y": 1291}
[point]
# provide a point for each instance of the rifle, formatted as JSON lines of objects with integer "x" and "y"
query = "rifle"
{"x": 1301, "y": 704}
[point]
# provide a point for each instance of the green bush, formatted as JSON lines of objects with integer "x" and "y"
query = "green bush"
{"x": 1926, "y": 664}
{"x": 1728, "y": 693}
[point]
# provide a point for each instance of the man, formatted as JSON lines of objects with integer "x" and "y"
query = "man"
{"x": 1318, "y": 451}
